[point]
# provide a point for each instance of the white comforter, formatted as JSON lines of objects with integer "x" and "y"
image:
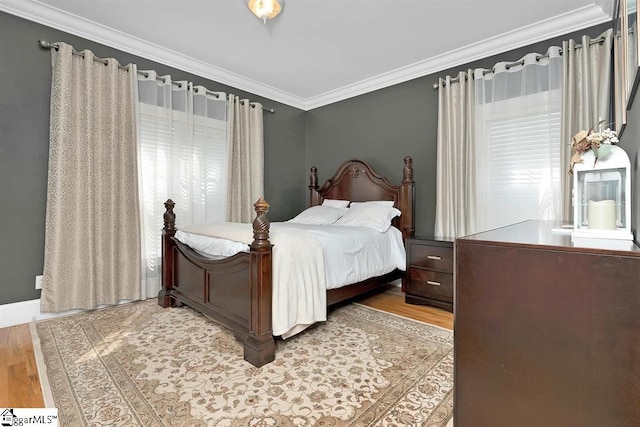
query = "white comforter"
{"x": 307, "y": 260}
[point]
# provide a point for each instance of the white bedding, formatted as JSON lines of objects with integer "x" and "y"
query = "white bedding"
{"x": 325, "y": 257}
{"x": 352, "y": 254}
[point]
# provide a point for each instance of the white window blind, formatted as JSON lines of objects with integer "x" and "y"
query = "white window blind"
{"x": 174, "y": 164}
{"x": 519, "y": 159}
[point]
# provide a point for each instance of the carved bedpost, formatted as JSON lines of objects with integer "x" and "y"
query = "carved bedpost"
{"x": 314, "y": 196}
{"x": 259, "y": 346}
{"x": 169, "y": 230}
{"x": 261, "y": 224}
{"x": 407, "y": 195}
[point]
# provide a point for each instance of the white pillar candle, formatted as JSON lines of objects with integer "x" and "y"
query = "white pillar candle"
{"x": 602, "y": 214}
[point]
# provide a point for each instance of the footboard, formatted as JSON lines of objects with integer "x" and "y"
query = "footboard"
{"x": 235, "y": 291}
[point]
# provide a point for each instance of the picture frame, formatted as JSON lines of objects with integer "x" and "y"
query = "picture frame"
{"x": 633, "y": 50}
{"x": 620, "y": 70}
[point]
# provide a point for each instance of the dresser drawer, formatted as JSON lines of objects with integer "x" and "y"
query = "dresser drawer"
{"x": 436, "y": 257}
{"x": 430, "y": 284}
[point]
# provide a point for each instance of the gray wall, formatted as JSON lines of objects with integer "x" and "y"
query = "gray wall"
{"x": 25, "y": 73}
{"x": 381, "y": 128}
{"x": 384, "y": 126}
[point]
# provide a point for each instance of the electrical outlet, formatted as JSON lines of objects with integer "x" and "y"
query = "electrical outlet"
{"x": 38, "y": 282}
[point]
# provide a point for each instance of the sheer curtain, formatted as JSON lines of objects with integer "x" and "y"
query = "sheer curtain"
{"x": 246, "y": 158}
{"x": 92, "y": 239}
{"x": 518, "y": 140}
{"x": 183, "y": 151}
{"x": 455, "y": 180}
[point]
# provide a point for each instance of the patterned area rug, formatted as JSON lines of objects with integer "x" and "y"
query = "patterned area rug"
{"x": 140, "y": 365}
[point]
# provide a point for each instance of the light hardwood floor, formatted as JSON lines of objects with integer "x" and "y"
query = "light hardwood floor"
{"x": 20, "y": 386}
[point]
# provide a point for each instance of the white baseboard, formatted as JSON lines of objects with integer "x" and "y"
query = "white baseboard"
{"x": 25, "y": 312}
{"x": 29, "y": 311}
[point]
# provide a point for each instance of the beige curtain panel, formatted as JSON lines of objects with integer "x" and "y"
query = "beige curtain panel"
{"x": 92, "y": 242}
{"x": 586, "y": 98}
{"x": 456, "y": 167}
{"x": 246, "y": 158}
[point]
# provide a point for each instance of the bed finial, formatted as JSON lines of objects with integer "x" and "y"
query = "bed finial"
{"x": 169, "y": 216}
{"x": 261, "y": 223}
{"x": 407, "y": 175}
{"x": 314, "y": 196}
{"x": 313, "y": 178}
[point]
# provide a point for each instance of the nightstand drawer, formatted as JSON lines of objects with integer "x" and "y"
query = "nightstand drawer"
{"x": 430, "y": 284}
{"x": 437, "y": 257}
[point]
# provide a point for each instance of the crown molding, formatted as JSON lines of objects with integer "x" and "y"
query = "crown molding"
{"x": 607, "y": 6}
{"x": 540, "y": 31}
{"x": 52, "y": 17}
{"x": 33, "y": 10}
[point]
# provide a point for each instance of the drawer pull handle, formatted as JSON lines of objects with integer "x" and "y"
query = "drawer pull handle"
{"x": 436, "y": 257}
{"x": 432, "y": 283}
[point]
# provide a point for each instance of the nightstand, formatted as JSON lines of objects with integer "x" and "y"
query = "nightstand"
{"x": 429, "y": 276}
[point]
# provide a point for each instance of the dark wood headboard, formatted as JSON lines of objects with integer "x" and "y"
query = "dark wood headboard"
{"x": 356, "y": 181}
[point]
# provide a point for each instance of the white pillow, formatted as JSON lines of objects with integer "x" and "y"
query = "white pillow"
{"x": 370, "y": 215}
{"x": 334, "y": 203}
{"x": 373, "y": 202}
{"x": 318, "y": 215}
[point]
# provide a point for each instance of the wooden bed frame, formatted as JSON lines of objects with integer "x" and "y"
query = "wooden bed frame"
{"x": 236, "y": 291}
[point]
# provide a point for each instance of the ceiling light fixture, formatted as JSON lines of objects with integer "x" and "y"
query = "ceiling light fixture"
{"x": 265, "y": 9}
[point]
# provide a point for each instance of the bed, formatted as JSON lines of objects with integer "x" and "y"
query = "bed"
{"x": 236, "y": 291}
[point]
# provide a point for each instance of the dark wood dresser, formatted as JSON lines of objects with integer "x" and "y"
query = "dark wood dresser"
{"x": 547, "y": 330}
{"x": 429, "y": 278}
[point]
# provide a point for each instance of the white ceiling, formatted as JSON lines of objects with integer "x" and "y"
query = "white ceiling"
{"x": 317, "y": 51}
